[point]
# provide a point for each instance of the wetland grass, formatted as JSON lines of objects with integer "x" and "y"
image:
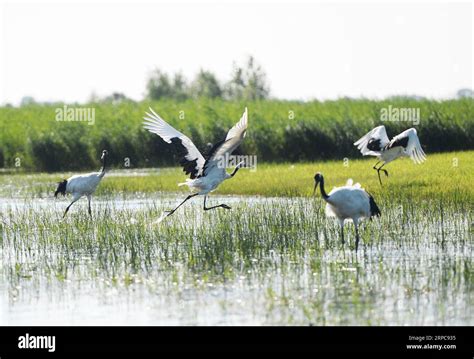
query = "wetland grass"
{"x": 273, "y": 261}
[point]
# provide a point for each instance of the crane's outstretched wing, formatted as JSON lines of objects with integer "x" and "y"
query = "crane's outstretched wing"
{"x": 372, "y": 143}
{"x": 235, "y": 136}
{"x": 193, "y": 161}
{"x": 411, "y": 144}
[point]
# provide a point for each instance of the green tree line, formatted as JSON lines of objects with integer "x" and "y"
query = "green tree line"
{"x": 248, "y": 82}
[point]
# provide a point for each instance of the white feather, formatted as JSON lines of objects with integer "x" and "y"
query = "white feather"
{"x": 378, "y": 133}
{"x": 234, "y": 138}
{"x": 155, "y": 124}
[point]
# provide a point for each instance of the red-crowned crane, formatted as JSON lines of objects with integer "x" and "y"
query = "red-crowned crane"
{"x": 205, "y": 174}
{"x": 349, "y": 202}
{"x": 376, "y": 143}
{"x": 82, "y": 185}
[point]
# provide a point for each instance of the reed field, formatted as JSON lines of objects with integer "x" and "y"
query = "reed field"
{"x": 274, "y": 259}
{"x": 31, "y": 138}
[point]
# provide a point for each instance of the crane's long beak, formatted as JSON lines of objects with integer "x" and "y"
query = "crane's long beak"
{"x": 315, "y": 186}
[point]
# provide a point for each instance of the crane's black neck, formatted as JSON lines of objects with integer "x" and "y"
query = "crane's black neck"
{"x": 321, "y": 188}
{"x": 234, "y": 171}
{"x": 104, "y": 161}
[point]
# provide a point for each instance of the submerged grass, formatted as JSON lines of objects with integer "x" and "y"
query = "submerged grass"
{"x": 272, "y": 261}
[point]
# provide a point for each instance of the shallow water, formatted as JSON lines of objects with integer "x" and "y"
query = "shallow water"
{"x": 267, "y": 261}
{"x": 137, "y": 202}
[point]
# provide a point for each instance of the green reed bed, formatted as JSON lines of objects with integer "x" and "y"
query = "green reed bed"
{"x": 292, "y": 131}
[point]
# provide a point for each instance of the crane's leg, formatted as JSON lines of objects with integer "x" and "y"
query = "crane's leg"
{"x": 220, "y": 205}
{"x": 342, "y": 232}
{"x": 67, "y": 209}
{"x": 357, "y": 235}
{"x": 89, "y": 200}
{"x": 378, "y": 173}
{"x": 380, "y": 169}
{"x": 179, "y": 205}
{"x": 384, "y": 170}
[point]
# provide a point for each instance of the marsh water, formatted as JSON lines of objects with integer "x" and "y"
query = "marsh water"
{"x": 267, "y": 261}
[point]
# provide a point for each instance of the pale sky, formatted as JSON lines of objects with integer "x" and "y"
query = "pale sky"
{"x": 64, "y": 51}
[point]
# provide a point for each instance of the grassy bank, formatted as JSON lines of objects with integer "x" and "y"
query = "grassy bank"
{"x": 279, "y": 131}
{"x": 447, "y": 176}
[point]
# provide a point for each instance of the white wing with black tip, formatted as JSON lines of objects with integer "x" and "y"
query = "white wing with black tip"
{"x": 233, "y": 139}
{"x": 373, "y": 142}
{"x": 193, "y": 161}
{"x": 410, "y": 142}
